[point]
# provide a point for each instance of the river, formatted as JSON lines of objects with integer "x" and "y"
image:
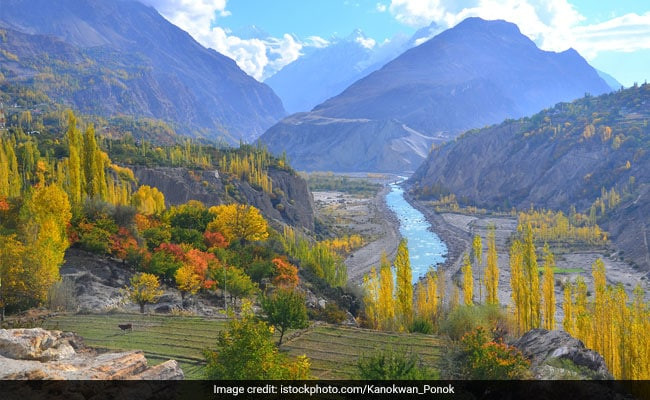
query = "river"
{"x": 425, "y": 247}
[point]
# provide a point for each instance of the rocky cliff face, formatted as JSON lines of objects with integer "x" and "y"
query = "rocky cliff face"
{"x": 40, "y": 354}
{"x": 291, "y": 202}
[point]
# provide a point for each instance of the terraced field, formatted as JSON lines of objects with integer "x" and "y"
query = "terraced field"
{"x": 160, "y": 337}
{"x": 333, "y": 350}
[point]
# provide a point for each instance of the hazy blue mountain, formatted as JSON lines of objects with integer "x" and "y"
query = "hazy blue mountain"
{"x": 324, "y": 72}
{"x": 475, "y": 74}
{"x": 610, "y": 80}
{"x": 122, "y": 57}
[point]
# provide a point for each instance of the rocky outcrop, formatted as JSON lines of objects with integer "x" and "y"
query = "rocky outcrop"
{"x": 291, "y": 202}
{"x": 40, "y": 354}
{"x": 543, "y": 348}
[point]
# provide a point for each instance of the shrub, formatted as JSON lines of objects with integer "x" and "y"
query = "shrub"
{"x": 392, "y": 365}
{"x": 466, "y": 319}
{"x": 483, "y": 358}
{"x": 189, "y": 236}
{"x": 61, "y": 296}
{"x": 421, "y": 325}
{"x": 156, "y": 236}
{"x": 331, "y": 314}
{"x": 94, "y": 239}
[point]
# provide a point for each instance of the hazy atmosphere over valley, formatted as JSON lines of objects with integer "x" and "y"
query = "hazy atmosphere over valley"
{"x": 288, "y": 193}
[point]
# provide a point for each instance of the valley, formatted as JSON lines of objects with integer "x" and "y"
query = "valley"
{"x": 467, "y": 201}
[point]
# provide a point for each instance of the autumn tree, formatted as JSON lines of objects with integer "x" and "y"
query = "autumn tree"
{"x": 371, "y": 298}
{"x": 385, "y": 298}
{"x": 285, "y": 309}
{"x": 468, "y": 281}
{"x": 477, "y": 249}
{"x": 238, "y": 222}
{"x": 548, "y": 290}
{"x": 404, "y": 295}
{"x": 74, "y": 163}
{"x": 144, "y": 289}
{"x": 187, "y": 280}
{"x": 46, "y": 214}
{"x": 13, "y": 278}
{"x": 492, "y": 269}
{"x": 532, "y": 300}
{"x": 286, "y": 274}
{"x": 148, "y": 200}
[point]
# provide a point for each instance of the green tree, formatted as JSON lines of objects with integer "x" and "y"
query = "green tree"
{"x": 245, "y": 351}
{"x": 285, "y": 309}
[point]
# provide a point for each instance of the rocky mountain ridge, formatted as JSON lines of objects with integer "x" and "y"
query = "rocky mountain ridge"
{"x": 565, "y": 156}
{"x": 475, "y": 74}
{"x": 121, "y": 57}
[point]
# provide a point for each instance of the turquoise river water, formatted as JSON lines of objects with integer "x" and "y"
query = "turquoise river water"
{"x": 425, "y": 247}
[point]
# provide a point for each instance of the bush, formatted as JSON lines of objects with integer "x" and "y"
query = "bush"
{"x": 421, "y": 325}
{"x": 483, "y": 358}
{"x": 156, "y": 236}
{"x": 164, "y": 264}
{"x": 94, "y": 239}
{"x": 332, "y": 314}
{"x": 391, "y": 365}
{"x": 260, "y": 269}
{"x": 189, "y": 236}
{"x": 466, "y": 319}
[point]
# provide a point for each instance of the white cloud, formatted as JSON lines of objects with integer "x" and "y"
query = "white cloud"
{"x": 553, "y": 24}
{"x": 368, "y": 43}
{"x": 317, "y": 41}
{"x": 259, "y": 57}
{"x": 381, "y": 7}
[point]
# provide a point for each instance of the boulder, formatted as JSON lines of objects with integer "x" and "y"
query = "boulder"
{"x": 41, "y": 354}
{"x": 35, "y": 344}
{"x": 542, "y": 347}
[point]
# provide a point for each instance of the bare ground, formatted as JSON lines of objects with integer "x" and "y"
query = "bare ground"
{"x": 369, "y": 217}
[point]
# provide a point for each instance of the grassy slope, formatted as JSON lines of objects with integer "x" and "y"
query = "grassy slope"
{"x": 333, "y": 350}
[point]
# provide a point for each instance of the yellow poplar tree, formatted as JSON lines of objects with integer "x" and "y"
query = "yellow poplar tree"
{"x": 468, "y": 282}
{"x": 492, "y": 269}
{"x": 238, "y": 222}
{"x": 371, "y": 297}
{"x": 477, "y": 248}
{"x": 47, "y": 213}
{"x": 404, "y": 304}
{"x": 517, "y": 283}
{"x": 548, "y": 289}
{"x": 386, "y": 307}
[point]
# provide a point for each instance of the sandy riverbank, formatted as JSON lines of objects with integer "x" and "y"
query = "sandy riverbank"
{"x": 369, "y": 217}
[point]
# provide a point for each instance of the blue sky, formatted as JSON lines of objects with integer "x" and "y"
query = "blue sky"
{"x": 263, "y": 36}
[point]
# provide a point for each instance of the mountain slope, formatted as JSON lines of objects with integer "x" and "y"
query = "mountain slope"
{"x": 325, "y": 72}
{"x": 122, "y": 57}
{"x": 475, "y": 74}
{"x": 568, "y": 155}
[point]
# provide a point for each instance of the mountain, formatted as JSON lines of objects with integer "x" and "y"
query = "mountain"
{"x": 122, "y": 57}
{"x": 568, "y": 155}
{"x": 475, "y": 74}
{"x": 610, "y": 80}
{"x": 324, "y": 72}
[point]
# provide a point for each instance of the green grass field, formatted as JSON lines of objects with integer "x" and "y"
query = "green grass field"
{"x": 333, "y": 350}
